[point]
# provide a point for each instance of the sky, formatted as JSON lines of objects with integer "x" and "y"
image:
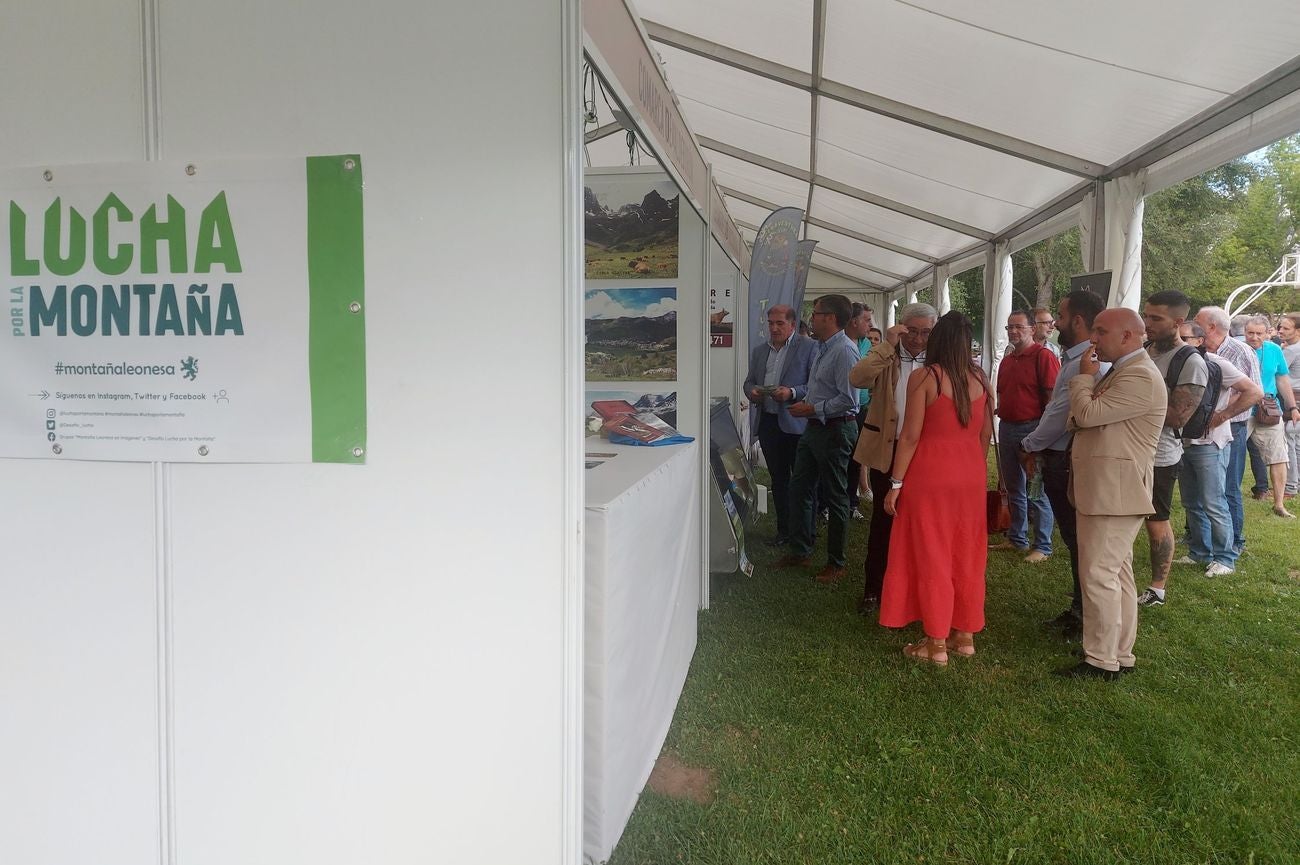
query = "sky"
{"x": 614, "y": 191}
{"x": 630, "y": 302}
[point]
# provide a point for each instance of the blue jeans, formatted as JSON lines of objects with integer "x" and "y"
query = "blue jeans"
{"x": 1023, "y": 507}
{"x": 1232, "y": 481}
{"x": 1209, "y": 524}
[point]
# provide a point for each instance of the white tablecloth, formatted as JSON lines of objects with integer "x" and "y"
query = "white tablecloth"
{"x": 642, "y": 599}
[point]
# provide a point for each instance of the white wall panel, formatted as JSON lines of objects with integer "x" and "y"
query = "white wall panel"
{"x": 70, "y": 91}
{"x": 368, "y": 659}
{"x": 78, "y": 623}
{"x": 78, "y": 679}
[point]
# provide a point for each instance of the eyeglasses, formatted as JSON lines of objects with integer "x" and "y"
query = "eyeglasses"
{"x": 818, "y": 312}
{"x": 1049, "y": 323}
{"x": 911, "y": 331}
{"x": 1012, "y": 327}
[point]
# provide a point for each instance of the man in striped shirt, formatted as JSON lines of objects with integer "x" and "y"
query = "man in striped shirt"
{"x": 1215, "y": 322}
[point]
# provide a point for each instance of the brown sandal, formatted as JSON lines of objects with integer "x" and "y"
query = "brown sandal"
{"x": 927, "y": 649}
{"x": 961, "y": 643}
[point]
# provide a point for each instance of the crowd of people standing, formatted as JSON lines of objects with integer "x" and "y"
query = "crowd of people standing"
{"x": 1093, "y": 434}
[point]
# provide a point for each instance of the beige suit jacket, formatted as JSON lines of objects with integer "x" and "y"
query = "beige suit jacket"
{"x": 1116, "y": 425}
{"x": 878, "y": 370}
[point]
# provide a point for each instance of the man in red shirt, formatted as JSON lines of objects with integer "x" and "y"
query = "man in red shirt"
{"x": 1026, "y": 377}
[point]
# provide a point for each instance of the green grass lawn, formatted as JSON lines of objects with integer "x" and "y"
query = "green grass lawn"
{"x": 828, "y": 746}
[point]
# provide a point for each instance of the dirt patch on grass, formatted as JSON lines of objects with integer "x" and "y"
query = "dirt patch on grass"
{"x": 1294, "y": 575}
{"x": 673, "y": 778}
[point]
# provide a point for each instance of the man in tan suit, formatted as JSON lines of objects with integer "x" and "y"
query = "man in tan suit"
{"x": 1116, "y": 423}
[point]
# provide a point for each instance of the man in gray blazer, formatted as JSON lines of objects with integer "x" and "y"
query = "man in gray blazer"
{"x": 778, "y": 377}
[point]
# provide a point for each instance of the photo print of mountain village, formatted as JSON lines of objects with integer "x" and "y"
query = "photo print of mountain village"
{"x": 631, "y": 334}
{"x": 630, "y": 227}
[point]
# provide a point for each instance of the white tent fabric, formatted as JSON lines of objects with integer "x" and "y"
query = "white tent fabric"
{"x": 1124, "y": 198}
{"x": 917, "y": 132}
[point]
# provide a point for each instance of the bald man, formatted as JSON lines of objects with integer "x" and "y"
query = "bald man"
{"x": 1116, "y": 421}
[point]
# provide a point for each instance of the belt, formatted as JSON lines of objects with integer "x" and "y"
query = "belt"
{"x": 834, "y": 421}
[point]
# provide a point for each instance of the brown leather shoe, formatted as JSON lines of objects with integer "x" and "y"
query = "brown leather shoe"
{"x": 791, "y": 560}
{"x": 831, "y": 574}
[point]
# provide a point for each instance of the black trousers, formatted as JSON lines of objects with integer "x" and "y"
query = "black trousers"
{"x": 878, "y": 537}
{"x": 1056, "y": 483}
{"x": 854, "y": 468}
{"x": 779, "y": 448}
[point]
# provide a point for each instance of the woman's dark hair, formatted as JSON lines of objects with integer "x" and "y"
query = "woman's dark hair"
{"x": 949, "y": 350}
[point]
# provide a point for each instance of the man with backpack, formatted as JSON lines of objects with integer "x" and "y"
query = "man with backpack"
{"x": 1207, "y": 446}
{"x": 1163, "y": 315}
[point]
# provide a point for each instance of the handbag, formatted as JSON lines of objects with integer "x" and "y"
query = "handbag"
{"x": 997, "y": 512}
{"x": 1268, "y": 412}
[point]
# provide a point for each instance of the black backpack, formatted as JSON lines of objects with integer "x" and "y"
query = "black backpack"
{"x": 1199, "y": 423}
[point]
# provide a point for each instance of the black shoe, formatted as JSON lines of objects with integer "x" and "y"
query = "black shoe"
{"x": 1068, "y": 619}
{"x": 777, "y": 541}
{"x": 868, "y": 605}
{"x": 1084, "y": 670}
{"x": 1079, "y": 653}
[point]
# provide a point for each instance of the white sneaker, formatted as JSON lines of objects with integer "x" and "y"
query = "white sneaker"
{"x": 1184, "y": 560}
{"x": 1217, "y": 570}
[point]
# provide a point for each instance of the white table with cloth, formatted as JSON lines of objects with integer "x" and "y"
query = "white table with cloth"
{"x": 642, "y": 601}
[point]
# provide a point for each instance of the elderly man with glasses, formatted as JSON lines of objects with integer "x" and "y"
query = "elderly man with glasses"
{"x": 1044, "y": 324}
{"x": 885, "y": 370}
{"x": 1026, "y": 378}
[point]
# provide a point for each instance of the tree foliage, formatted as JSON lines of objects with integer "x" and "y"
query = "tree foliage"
{"x": 1205, "y": 236}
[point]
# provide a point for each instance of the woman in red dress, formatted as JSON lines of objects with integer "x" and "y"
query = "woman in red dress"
{"x": 939, "y": 545}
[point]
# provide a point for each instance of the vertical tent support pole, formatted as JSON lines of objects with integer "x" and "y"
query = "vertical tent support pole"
{"x": 706, "y": 387}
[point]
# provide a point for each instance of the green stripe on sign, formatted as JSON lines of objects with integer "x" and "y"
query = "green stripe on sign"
{"x": 337, "y": 339}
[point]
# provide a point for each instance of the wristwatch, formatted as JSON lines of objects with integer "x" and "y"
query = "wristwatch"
{"x": 895, "y": 484}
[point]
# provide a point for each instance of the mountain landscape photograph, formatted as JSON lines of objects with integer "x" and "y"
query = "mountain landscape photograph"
{"x": 630, "y": 227}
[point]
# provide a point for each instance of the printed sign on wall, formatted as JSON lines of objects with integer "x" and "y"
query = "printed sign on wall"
{"x": 207, "y": 312}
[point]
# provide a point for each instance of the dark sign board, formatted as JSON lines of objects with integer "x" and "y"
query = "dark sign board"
{"x": 1098, "y": 283}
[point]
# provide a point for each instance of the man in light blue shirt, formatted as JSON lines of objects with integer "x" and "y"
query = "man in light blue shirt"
{"x": 1270, "y": 439}
{"x": 1049, "y": 444}
{"x": 831, "y": 407}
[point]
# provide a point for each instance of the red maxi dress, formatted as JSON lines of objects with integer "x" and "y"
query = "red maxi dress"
{"x": 938, "y": 548}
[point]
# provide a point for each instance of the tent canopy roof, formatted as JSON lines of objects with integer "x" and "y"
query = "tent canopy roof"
{"x": 911, "y": 131}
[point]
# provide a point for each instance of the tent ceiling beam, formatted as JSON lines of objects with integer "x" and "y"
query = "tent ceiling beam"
{"x": 844, "y": 258}
{"x": 602, "y": 132}
{"x": 1281, "y": 82}
{"x": 843, "y": 188}
{"x": 856, "y": 98}
{"x": 829, "y": 226}
{"x": 818, "y": 54}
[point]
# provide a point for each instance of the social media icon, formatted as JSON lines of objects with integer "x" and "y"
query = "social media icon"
{"x": 51, "y": 436}
{"x": 49, "y": 412}
{"x": 49, "y": 424}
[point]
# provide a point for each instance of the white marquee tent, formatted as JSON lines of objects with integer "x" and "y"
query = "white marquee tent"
{"x": 337, "y": 664}
{"x": 924, "y": 137}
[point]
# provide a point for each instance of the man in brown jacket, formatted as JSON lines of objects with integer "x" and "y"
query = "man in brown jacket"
{"x": 1116, "y": 423}
{"x": 893, "y": 360}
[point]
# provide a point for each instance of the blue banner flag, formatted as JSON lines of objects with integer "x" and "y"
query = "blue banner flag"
{"x": 771, "y": 266}
{"x": 799, "y": 276}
